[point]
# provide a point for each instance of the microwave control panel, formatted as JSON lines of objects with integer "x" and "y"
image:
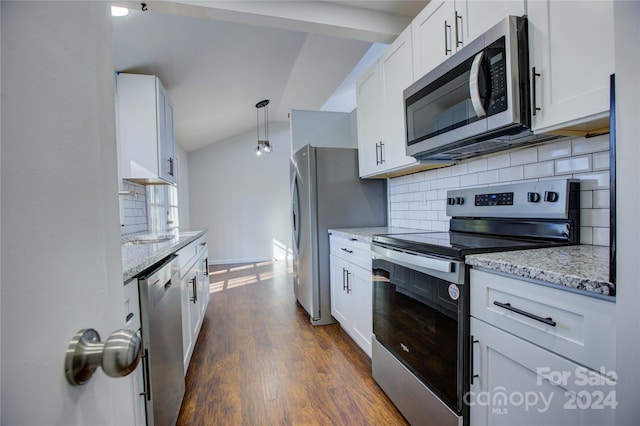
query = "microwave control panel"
{"x": 496, "y": 59}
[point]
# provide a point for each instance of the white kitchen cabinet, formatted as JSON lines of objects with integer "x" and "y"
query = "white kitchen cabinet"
{"x": 511, "y": 387}
{"x": 194, "y": 289}
{"x": 369, "y": 121}
{"x": 554, "y": 366}
{"x": 571, "y": 49}
{"x": 380, "y": 112}
{"x": 351, "y": 289}
{"x": 444, "y": 27}
{"x": 145, "y": 130}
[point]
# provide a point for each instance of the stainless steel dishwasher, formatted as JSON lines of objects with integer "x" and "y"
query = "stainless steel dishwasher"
{"x": 162, "y": 339}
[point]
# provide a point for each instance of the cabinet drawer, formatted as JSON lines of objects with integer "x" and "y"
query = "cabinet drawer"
{"x": 351, "y": 250}
{"x": 188, "y": 254}
{"x": 576, "y": 326}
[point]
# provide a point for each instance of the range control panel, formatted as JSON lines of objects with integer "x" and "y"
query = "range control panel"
{"x": 495, "y": 199}
{"x": 547, "y": 199}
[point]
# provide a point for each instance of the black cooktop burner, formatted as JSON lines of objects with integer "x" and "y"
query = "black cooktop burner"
{"x": 459, "y": 244}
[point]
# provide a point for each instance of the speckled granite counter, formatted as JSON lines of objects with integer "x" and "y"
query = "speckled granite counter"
{"x": 366, "y": 234}
{"x": 138, "y": 257}
{"x": 580, "y": 267}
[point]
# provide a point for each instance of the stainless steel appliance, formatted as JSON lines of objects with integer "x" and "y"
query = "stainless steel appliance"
{"x": 162, "y": 341}
{"x": 326, "y": 192}
{"x": 421, "y": 296}
{"x": 475, "y": 102}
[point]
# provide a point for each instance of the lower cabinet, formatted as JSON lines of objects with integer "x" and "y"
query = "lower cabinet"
{"x": 526, "y": 377}
{"x": 194, "y": 287}
{"x": 351, "y": 289}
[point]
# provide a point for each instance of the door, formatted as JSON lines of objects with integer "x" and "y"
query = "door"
{"x": 61, "y": 261}
{"x": 304, "y": 220}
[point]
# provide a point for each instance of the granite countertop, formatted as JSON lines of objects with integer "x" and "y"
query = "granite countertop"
{"x": 138, "y": 257}
{"x": 580, "y": 267}
{"x": 366, "y": 234}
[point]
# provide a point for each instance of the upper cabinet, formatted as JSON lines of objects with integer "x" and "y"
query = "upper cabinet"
{"x": 145, "y": 130}
{"x": 444, "y": 27}
{"x": 381, "y": 134}
{"x": 571, "y": 58}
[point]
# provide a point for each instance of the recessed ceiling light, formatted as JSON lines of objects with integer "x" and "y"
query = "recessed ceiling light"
{"x": 119, "y": 11}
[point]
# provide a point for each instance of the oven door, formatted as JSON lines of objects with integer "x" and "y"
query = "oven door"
{"x": 419, "y": 316}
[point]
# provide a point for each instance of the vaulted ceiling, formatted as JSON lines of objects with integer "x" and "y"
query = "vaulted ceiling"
{"x": 217, "y": 59}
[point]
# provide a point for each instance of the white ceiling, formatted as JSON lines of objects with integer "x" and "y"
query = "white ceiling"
{"x": 217, "y": 59}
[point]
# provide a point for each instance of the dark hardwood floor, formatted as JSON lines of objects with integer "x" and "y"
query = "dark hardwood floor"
{"x": 258, "y": 360}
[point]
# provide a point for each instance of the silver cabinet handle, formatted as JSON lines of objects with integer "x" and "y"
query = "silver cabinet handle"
{"x": 118, "y": 355}
{"x": 447, "y": 47}
{"x": 194, "y": 281}
{"x": 533, "y": 91}
{"x": 459, "y": 41}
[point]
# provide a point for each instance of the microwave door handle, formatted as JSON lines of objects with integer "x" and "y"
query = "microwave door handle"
{"x": 474, "y": 88}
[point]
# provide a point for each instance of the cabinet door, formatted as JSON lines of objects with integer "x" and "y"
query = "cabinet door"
{"x": 369, "y": 114}
{"x": 203, "y": 287}
{"x": 166, "y": 139}
{"x": 396, "y": 71}
{"x": 571, "y": 48}
{"x": 433, "y": 39}
{"x": 518, "y": 383}
{"x": 477, "y": 16}
{"x": 339, "y": 296}
{"x": 361, "y": 301}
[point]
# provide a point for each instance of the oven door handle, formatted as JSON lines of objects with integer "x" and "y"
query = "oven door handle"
{"x": 474, "y": 87}
{"x": 417, "y": 260}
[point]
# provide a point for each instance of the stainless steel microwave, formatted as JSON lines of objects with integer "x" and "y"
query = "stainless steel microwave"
{"x": 476, "y": 102}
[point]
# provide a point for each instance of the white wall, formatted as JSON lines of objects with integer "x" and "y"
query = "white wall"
{"x": 627, "y": 35}
{"x": 419, "y": 200}
{"x": 243, "y": 199}
{"x": 183, "y": 188}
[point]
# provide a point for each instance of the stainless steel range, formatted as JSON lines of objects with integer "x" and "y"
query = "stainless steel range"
{"x": 421, "y": 295}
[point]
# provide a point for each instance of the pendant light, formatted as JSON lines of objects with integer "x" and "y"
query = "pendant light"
{"x": 263, "y": 130}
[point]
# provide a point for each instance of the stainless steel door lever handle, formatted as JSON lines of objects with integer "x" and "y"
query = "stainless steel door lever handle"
{"x": 118, "y": 355}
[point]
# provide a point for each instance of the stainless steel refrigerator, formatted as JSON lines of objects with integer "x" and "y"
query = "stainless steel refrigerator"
{"x": 326, "y": 193}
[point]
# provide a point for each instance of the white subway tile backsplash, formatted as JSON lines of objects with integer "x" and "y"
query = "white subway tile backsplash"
{"x": 601, "y": 199}
{"x": 134, "y": 209}
{"x": 498, "y": 161}
{"x": 537, "y": 170}
{"x": 490, "y": 176}
{"x": 594, "y": 217}
{"x": 595, "y": 180}
{"x": 600, "y": 236}
{"x": 589, "y": 145}
{"x": 573, "y": 165}
{"x": 475, "y": 166}
{"x": 511, "y": 174}
{"x": 586, "y": 235}
{"x": 423, "y": 202}
{"x": 554, "y": 150}
{"x": 586, "y": 199}
{"x": 452, "y": 182}
{"x": 469, "y": 180}
{"x": 524, "y": 156}
{"x": 601, "y": 160}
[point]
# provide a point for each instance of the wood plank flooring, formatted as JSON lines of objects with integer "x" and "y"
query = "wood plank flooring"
{"x": 258, "y": 360}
